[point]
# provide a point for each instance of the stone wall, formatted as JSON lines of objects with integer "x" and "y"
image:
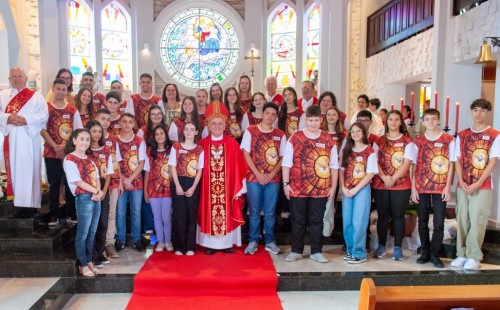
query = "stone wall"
{"x": 472, "y": 26}
{"x": 33, "y": 39}
{"x": 354, "y": 54}
{"x": 237, "y": 5}
{"x": 406, "y": 60}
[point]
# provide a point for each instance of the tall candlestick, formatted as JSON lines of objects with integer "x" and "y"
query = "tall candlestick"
{"x": 402, "y": 104}
{"x": 425, "y": 94}
{"x": 436, "y": 100}
{"x": 447, "y": 110}
{"x": 456, "y": 118}
{"x": 392, "y": 106}
{"x": 412, "y": 105}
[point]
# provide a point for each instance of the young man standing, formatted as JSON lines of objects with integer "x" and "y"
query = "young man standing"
{"x": 117, "y": 86}
{"x": 263, "y": 147}
{"x": 139, "y": 103}
{"x": 476, "y": 153}
{"x": 310, "y": 175}
{"x": 132, "y": 157}
{"x": 113, "y": 100}
{"x": 63, "y": 119}
{"x": 103, "y": 116}
{"x": 365, "y": 118}
{"x": 432, "y": 178}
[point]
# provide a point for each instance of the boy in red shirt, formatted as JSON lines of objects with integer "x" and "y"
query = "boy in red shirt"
{"x": 476, "y": 153}
{"x": 430, "y": 187}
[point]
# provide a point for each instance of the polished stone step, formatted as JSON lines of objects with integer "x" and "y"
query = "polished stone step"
{"x": 16, "y": 225}
{"x": 491, "y": 253}
{"x": 35, "y": 265}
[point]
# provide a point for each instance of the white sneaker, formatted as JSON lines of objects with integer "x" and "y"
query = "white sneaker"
{"x": 472, "y": 264}
{"x": 160, "y": 247}
{"x": 319, "y": 257}
{"x": 169, "y": 247}
{"x": 293, "y": 257}
{"x": 458, "y": 262}
{"x": 178, "y": 253}
{"x": 190, "y": 253}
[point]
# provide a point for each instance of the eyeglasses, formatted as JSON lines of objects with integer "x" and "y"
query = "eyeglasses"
{"x": 306, "y": 88}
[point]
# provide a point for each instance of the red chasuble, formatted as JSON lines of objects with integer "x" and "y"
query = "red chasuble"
{"x": 225, "y": 169}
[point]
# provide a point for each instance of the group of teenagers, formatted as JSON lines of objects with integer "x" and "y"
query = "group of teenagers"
{"x": 299, "y": 153}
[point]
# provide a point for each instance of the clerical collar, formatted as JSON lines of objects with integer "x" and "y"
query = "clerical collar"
{"x": 217, "y": 138}
{"x": 14, "y": 91}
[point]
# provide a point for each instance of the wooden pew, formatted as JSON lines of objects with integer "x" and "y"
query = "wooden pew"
{"x": 479, "y": 297}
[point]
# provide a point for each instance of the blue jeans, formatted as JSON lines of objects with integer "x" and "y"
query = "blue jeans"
{"x": 88, "y": 212}
{"x": 135, "y": 198}
{"x": 262, "y": 197}
{"x": 355, "y": 214}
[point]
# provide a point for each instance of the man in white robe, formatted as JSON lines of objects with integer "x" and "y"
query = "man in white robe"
{"x": 22, "y": 129}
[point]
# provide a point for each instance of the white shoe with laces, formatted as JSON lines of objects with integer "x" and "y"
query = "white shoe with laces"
{"x": 160, "y": 247}
{"x": 458, "y": 262}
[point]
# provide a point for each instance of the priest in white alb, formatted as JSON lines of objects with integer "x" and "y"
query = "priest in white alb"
{"x": 23, "y": 114}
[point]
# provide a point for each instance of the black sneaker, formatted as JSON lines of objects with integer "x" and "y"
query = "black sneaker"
{"x": 104, "y": 260}
{"x": 436, "y": 261}
{"x": 98, "y": 263}
{"x": 139, "y": 246}
{"x": 423, "y": 259}
{"x": 356, "y": 260}
{"x": 119, "y": 246}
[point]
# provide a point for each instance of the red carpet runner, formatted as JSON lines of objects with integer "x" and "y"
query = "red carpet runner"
{"x": 219, "y": 281}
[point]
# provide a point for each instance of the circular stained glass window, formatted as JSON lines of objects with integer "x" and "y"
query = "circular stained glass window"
{"x": 198, "y": 47}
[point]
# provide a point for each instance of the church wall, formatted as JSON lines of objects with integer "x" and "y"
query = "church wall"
{"x": 388, "y": 72}
{"x": 355, "y": 54}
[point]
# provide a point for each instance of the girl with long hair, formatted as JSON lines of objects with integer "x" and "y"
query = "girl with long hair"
{"x": 83, "y": 179}
{"x": 254, "y": 117}
{"x": 392, "y": 186}
{"x": 358, "y": 166}
{"x": 244, "y": 86}
{"x": 189, "y": 113}
{"x": 290, "y": 114}
{"x": 216, "y": 92}
{"x": 83, "y": 102}
{"x": 155, "y": 118}
{"x": 233, "y": 104}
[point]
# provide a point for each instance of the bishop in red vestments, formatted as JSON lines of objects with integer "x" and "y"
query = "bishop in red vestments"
{"x": 222, "y": 185}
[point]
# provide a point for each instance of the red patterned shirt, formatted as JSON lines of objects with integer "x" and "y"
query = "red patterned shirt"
{"x": 60, "y": 126}
{"x": 359, "y": 164}
{"x": 131, "y": 153}
{"x": 475, "y": 150}
{"x": 432, "y": 163}
{"x": 338, "y": 138}
{"x": 391, "y": 155}
{"x": 99, "y": 101}
{"x": 141, "y": 108}
{"x": 233, "y": 128}
{"x": 176, "y": 135}
{"x": 159, "y": 175}
{"x": 310, "y": 162}
{"x": 85, "y": 119}
{"x": 102, "y": 159}
{"x": 80, "y": 169}
{"x": 245, "y": 105}
{"x": 265, "y": 149}
{"x": 203, "y": 120}
{"x": 292, "y": 122}
{"x": 114, "y": 127}
{"x": 123, "y": 107}
{"x": 187, "y": 162}
{"x": 252, "y": 120}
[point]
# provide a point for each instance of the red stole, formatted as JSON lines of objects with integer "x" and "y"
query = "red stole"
{"x": 225, "y": 169}
{"x": 14, "y": 106}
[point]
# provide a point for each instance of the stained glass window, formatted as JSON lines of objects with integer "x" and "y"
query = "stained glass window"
{"x": 283, "y": 46}
{"x": 80, "y": 39}
{"x": 312, "y": 53}
{"x": 198, "y": 47}
{"x": 116, "y": 51}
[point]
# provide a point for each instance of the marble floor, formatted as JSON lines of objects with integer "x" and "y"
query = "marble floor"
{"x": 22, "y": 293}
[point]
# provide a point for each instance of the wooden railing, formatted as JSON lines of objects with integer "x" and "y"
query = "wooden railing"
{"x": 396, "y": 21}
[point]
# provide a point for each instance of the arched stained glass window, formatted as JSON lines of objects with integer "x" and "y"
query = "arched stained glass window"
{"x": 80, "y": 39}
{"x": 116, "y": 51}
{"x": 198, "y": 47}
{"x": 283, "y": 46}
{"x": 312, "y": 52}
